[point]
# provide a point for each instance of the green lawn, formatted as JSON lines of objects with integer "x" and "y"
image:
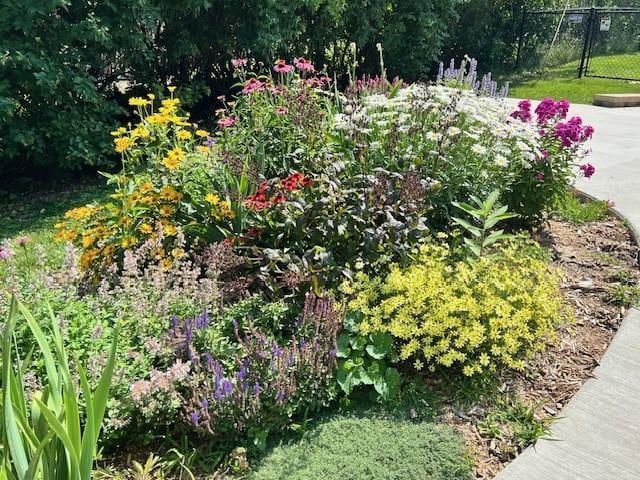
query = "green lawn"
{"x": 561, "y": 82}
{"x": 34, "y": 211}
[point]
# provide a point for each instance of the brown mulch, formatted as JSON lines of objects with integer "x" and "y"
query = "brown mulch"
{"x": 591, "y": 257}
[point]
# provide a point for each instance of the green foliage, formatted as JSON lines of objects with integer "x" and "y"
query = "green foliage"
{"x": 579, "y": 211}
{"x": 474, "y": 317}
{"x": 365, "y": 448}
{"x": 48, "y": 434}
{"x": 626, "y": 292}
{"x": 487, "y": 216}
{"x": 363, "y": 360}
{"x": 516, "y": 422}
{"x": 65, "y": 62}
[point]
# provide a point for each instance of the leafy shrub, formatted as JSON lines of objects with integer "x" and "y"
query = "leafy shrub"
{"x": 363, "y": 361}
{"x": 365, "y": 448}
{"x": 475, "y": 317}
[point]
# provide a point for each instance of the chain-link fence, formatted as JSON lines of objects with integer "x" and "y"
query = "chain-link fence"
{"x": 596, "y": 42}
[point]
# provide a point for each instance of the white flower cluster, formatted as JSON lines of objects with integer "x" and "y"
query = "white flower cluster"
{"x": 442, "y": 119}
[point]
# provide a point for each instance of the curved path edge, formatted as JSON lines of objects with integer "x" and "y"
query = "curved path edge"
{"x": 597, "y": 434}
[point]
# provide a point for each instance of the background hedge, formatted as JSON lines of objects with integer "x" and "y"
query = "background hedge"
{"x": 62, "y": 61}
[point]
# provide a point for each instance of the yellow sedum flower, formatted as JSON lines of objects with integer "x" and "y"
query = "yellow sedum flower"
{"x": 476, "y": 317}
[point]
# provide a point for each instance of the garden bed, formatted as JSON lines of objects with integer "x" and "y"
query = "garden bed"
{"x": 317, "y": 254}
{"x": 599, "y": 261}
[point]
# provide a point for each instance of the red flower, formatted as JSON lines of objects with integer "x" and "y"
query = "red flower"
{"x": 278, "y": 199}
{"x": 295, "y": 181}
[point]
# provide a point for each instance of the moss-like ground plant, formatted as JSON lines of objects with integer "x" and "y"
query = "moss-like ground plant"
{"x": 345, "y": 448}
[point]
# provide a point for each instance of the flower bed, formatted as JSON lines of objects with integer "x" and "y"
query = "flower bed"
{"x": 316, "y": 247}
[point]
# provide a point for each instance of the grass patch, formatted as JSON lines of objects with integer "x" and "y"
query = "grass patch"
{"x": 515, "y": 423}
{"x": 353, "y": 448}
{"x": 580, "y": 210}
{"x": 35, "y": 211}
{"x": 562, "y": 82}
{"x": 627, "y": 291}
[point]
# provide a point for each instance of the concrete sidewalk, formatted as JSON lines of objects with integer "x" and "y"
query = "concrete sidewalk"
{"x": 597, "y": 436}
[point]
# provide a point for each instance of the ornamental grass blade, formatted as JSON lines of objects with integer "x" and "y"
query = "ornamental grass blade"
{"x": 60, "y": 431}
{"x": 12, "y": 438}
{"x": 96, "y": 406}
{"x": 49, "y": 361}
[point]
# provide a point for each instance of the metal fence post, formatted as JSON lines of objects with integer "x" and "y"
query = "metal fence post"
{"x": 587, "y": 41}
{"x": 521, "y": 37}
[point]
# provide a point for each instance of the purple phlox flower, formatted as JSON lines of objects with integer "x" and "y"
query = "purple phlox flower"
{"x": 562, "y": 108}
{"x": 524, "y": 111}
{"x": 280, "y": 396}
{"x": 256, "y": 389}
{"x": 303, "y": 343}
{"x": 205, "y": 404}
{"x": 210, "y": 141}
{"x": 587, "y": 170}
{"x": 572, "y": 131}
{"x": 546, "y": 110}
{"x": 174, "y": 325}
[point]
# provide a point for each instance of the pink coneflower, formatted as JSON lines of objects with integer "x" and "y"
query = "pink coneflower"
{"x": 587, "y": 170}
{"x": 239, "y": 62}
{"x": 5, "y": 253}
{"x": 540, "y": 177}
{"x": 226, "y": 122}
{"x": 303, "y": 64}
{"x": 282, "y": 67}
{"x": 281, "y": 111}
{"x": 253, "y": 85}
{"x": 22, "y": 241}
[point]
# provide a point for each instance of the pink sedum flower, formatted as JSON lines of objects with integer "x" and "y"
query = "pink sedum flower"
{"x": 282, "y": 67}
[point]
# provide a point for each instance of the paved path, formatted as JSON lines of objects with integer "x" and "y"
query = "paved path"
{"x": 598, "y": 434}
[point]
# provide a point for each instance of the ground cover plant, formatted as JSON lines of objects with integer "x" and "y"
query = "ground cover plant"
{"x": 296, "y": 256}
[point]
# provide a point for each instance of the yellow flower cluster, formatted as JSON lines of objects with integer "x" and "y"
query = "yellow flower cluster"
{"x": 153, "y": 195}
{"x": 220, "y": 209}
{"x": 475, "y": 317}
